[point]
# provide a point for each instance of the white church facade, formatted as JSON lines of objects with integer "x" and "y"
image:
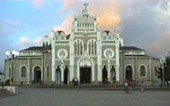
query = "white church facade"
{"x": 87, "y": 54}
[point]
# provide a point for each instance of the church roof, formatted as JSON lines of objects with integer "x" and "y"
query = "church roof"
{"x": 130, "y": 48}
{"x": 38, "y": 48}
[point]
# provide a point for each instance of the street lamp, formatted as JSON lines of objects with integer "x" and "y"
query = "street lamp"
{"x": 11, "y": 56}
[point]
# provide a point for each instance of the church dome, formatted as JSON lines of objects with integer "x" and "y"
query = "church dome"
{"x": 107, "y": 33}
{"x": 60, "y": 33}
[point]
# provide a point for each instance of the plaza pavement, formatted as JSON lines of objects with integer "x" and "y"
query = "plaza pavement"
{"x": 31, "y": 96}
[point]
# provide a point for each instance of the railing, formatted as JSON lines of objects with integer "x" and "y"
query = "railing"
{"x": 30, "y": 54}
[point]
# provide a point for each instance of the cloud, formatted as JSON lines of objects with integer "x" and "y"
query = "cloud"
{"x": 41, "y": 4}
{"x": 107, "y": 17}
{"x": 7, "y": 29}
{"x": 38, "y": 3}
{"x": 160, "y": 45}
{"x": 143, "y": 23}
{"x": 66, "y": 25}
{"x": 25, "y": 41}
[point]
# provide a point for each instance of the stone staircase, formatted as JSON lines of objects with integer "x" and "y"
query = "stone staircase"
{"x": 5, "y": 93}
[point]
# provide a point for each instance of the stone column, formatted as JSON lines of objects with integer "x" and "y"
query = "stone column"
{"x": 62, "y": 72}
{"x": 117, "y": 60}
{"x": 109, "y": 71}
{"x": 150, "y": 71}
{"x": 53, "y": 61}
{"x": 28, "y": 71}
{"x": 93, "y": 72}
{"x": 117, "y": 73}
{"x": 71, "y": 46}
{"x": 99, "y": 58}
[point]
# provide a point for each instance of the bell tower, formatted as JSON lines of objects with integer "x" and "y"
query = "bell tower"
{"x": 85, "y": 23}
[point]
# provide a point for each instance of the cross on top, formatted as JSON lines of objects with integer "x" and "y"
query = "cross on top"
{"x": 86, "y": 4}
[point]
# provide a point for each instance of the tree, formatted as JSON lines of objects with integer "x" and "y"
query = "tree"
{"x": 159, "y": 73}
{"x": 166, "y": 65}
{"x": 163, "y": 71}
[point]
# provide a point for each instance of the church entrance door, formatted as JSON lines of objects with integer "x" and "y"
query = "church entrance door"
{"x": 66, "y": 76}
{"x": 37, "y": 74}
{"x": 129, "y": 73}
{"x": 85, "y": 75}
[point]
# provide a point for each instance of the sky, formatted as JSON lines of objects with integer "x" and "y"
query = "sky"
{"x": 141, "y": 23}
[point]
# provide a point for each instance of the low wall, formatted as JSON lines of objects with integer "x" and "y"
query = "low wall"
{"x": 11, "y": 89}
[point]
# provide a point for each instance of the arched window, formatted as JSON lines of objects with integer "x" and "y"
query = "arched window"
{"x": 48, "y": 71}
{"x": 92, "y": 47}
{"x": 78, "y": 47}
{"x": 23, "y": 72}
{"x": 142, "y": 71}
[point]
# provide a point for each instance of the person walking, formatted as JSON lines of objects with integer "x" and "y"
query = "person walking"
{"x": 142, "y": 88}
{"x": 126, "y": 86}
{"x": 130, "y": 87}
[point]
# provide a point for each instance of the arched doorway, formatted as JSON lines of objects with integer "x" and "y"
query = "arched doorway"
{"x": 104, "y": 75}
{"x": 85, "y": 71}
{"x": 66, "y": 75}
{"x": 37, "y": 74}
{"x": 58, "y": 75}
{"x": 85, "y": 75}
{"x": 129, "y": 73}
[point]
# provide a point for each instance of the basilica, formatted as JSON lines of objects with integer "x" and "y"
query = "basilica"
{"x": 88, "y": 55}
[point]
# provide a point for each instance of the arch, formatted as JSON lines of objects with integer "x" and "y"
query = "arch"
{"x": 92, "y": 47}
{"x": 85, "y": 62}
{"x": 129, "y": 72}
{"x": 107, "y": 32}
{"x": 142, "y": 71}
{"x": 60, "y": 35}
{"x": 107, "y": 35}
{"x": 21, "y": 73}
{"x": 58, "y": 75}
{"x": 66, "y": 75}
{"x": 104, "y": 74}
{"x": 91, "y": 66}
{"x": 37, "y": 74}
{"x": 78, "y": 47}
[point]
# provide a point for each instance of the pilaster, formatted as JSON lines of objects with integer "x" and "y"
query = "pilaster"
{"x": 53, "y": 60}
{"x": 109, "y": 71}
{"x": 71, "y": 46}
{"x": 29, "y": 71}
{"x": 62, "y": 74}
{"x": 117, "y": 60}
{"x": 99, "y": 59}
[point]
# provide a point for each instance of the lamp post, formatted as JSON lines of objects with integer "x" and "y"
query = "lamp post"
{"x": 11, "y": 56}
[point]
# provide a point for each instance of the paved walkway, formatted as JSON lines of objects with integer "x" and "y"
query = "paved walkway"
{"x": 84, "y": 97}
